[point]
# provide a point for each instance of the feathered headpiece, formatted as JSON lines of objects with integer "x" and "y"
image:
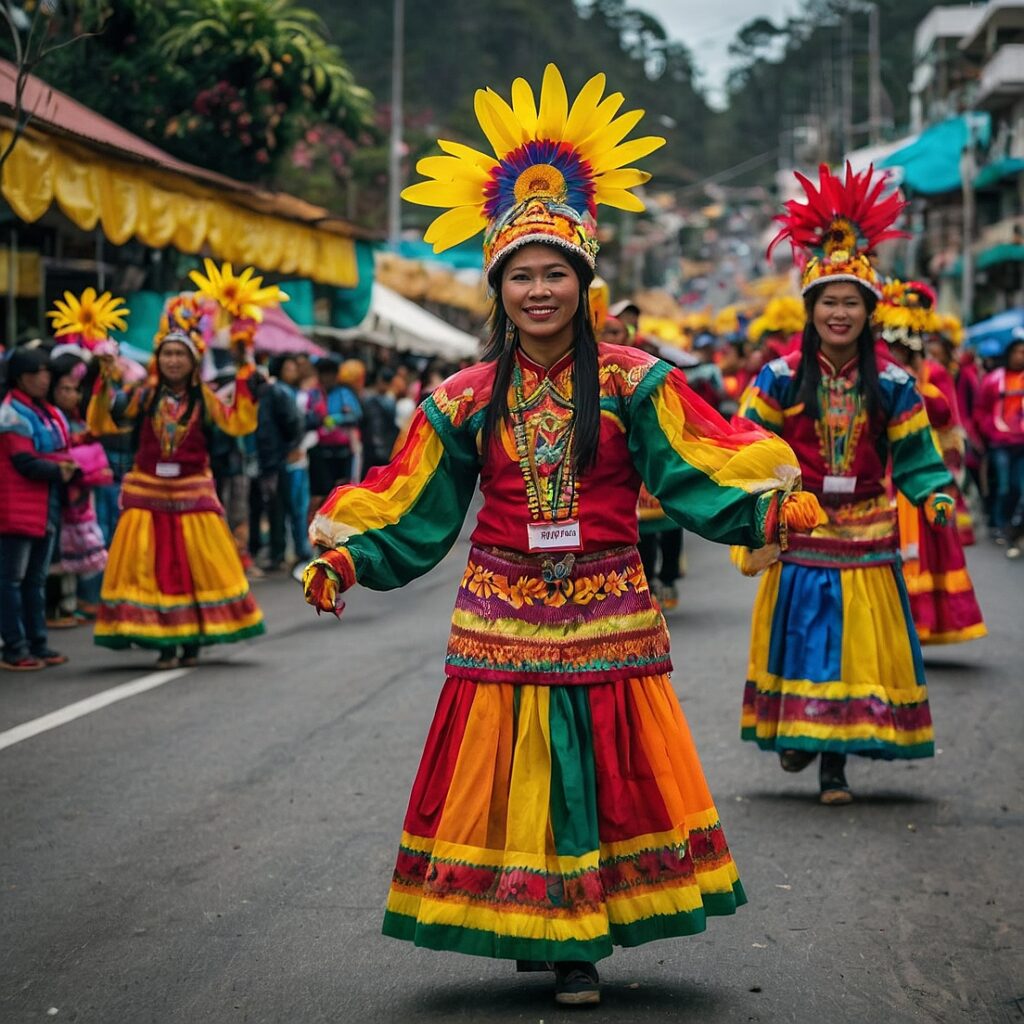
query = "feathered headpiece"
{"x": 240, "y": 298}
{"x": 552, "y": 166}
{"x": 906, "y": 313}
{"x": 189, "y": 320}
{"x": 840, "y": 225}
{"x": 88, "y": 320}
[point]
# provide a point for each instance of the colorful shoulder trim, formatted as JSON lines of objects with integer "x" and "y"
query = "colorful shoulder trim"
{"x": 893, "y": 373}
{"x": 464, "y": 394}
{"x": 622, "y": 369}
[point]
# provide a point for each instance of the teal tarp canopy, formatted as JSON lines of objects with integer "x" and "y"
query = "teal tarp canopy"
{"x": 1005, "y": 253}
{"x": 930, "y": 165}
{"x": 997, "y": 170}
{"x": 351, "y": 305}
{"x": 143, "y": 319}
{"x": 467, "y": 255}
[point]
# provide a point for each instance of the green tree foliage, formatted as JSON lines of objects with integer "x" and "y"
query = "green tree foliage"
{"x": 788, "y": 81}
{"x": 228, "y": 84}
{"x": 454, "y": 47}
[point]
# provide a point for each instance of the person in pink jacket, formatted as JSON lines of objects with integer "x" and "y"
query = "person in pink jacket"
{"x": 1001, "y": 421}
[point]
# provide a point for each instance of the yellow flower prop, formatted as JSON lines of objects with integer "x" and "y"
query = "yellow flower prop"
{"x": 951, "y": 328}
{"x": 784, "y": 315}
{"x": 241, "y": 296}
{"x": 553, "y": 164}
{"x": 91, "y": 317}
{"x": 726, "y": 321}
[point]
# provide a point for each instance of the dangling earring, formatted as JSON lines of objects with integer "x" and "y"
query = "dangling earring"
{"x": 510, "y": 333}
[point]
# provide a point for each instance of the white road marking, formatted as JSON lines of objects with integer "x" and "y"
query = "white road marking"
{"x": 86, "y": 707}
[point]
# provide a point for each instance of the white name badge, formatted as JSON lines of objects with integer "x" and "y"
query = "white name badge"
{"x": 564, "y": 536}
{"x": 840, "y": 484}
{"x": 168, "y": 469}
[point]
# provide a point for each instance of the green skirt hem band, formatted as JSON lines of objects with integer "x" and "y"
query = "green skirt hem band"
{"x": 863, "y": 748}
{"x": 122, "y": 642}
{"x": 476, "y": 942}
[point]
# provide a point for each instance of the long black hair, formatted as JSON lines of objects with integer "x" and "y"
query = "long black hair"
{"x": 808, "y": 376}
{"x": 501, "y": 348}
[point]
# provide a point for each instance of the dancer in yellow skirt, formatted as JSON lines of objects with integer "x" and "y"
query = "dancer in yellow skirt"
{"x": 835, "y": 665}
{"x": 174, "y": 581}
{"x": 560, "y": 807}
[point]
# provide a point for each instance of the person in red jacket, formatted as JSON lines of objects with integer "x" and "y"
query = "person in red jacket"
{"x": 1001, "y": 421}
{"x": 33, "y": 437}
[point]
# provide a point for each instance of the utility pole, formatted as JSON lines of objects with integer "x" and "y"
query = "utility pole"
{"x": 968, "y": 169}
{"x": 395, "y": 151}
{"x": 846, "y": 83}
{"x": 874, "y": 77}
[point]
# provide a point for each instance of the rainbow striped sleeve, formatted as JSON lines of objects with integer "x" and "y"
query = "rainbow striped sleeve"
{"x": 917, "y": 466}
{"x": 403, "y": 518}
{"x": 111, "y": 411}
{"x": 711, "y": 477}
{"x": 761, "y": 402}
{"x": 240, "y": 417}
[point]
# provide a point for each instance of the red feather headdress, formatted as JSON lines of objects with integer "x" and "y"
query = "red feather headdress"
{"x": 840, "y": 225}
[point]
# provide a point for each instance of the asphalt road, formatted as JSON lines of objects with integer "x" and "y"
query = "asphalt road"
{"x": 218, "y": 848}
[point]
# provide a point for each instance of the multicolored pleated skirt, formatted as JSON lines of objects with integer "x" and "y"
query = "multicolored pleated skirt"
{"x": 548, "y": 821}
{"x": 835, "y": 662}
{"x": 173, "y": 574}
{"x": 942, "y": 599}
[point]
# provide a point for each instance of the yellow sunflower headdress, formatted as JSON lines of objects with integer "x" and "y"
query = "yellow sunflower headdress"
{"x": 951, "y": 329}
{"x": 837, "y": 229}
{"x": 89, "y": 319}
{"x": 240, "y": 299}
{"x": 553, "y": 165}
{"x": 784, "y": 315}
{"x": 906, "y": 313}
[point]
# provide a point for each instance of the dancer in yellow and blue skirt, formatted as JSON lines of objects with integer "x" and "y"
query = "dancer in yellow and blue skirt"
{"x": 560, "y": 807}
{"x": 835, "y": 666}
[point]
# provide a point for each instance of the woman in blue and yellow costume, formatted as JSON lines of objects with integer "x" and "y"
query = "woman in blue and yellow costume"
{"x": 559, "y": 808}
{"x": 835, "y": 665}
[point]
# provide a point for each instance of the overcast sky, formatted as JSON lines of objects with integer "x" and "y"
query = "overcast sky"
{"x": 708, "y": 26}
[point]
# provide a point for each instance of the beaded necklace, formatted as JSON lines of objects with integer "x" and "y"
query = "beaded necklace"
{"x": 168, "y": 421}
{"x": 840, "y": 424}
{"x": 547, "y": 462}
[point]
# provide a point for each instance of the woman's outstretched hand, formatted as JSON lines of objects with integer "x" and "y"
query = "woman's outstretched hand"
{"x": 802, "y": 512}
{"x": 321, "y": 586}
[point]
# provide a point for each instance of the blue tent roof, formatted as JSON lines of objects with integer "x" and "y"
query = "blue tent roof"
{"x": 930, "y": 165}
{"x": 990, "y": 337}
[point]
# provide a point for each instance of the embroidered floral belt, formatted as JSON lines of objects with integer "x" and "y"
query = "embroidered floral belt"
{"x": 178, "y": 494}
{"x": 857, "y": 534}
{"x": 556, "y": 618}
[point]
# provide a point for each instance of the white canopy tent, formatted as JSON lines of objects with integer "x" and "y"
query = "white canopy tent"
{"x": 395, "y": 322}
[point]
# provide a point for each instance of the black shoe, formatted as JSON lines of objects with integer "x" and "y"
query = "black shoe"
{"x": 796, "y": 760}
{"x": 577, "y": 984}
{"x": 835, "y": 790}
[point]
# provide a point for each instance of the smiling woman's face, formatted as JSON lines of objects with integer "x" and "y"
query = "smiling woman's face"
{"x": 839, "y": 318}
{"x": 541, "y": 293}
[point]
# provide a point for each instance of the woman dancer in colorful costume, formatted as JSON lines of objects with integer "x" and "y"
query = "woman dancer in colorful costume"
{"x": 835, "y": 666}
{"x": 942, "y": 599}
{"x": 559, "y": 807}
{"x": 174, "y": 581}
